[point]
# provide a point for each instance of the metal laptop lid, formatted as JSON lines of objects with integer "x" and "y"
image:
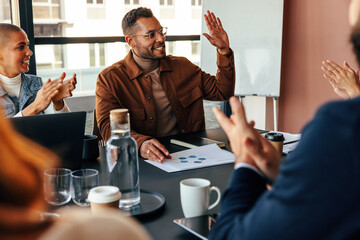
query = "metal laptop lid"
{"x": 62, "y": 133}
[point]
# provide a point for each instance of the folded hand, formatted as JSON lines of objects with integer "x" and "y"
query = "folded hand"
{"x": 246, "y": 142}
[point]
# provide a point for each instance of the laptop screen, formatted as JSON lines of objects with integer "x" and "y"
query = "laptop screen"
{"x": 62, "y": 133}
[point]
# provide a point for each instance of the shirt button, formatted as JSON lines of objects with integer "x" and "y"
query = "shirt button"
{"x": 149, "y": 97}
{"x": 183, "y": 130}
{"x": 151, "y": 118}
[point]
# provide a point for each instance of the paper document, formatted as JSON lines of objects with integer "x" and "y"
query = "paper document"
{"x": 204, "y": 156}
{"x": 195, "y": 142}
{"x": 290, "y": 147}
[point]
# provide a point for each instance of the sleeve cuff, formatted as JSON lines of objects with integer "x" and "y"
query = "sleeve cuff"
{"x": 225, "y": 55}
{"x": 19, "y": 114}
{"x": 224, "y": 60}
{"x": 64, "y": 109}
{"x": 248, "y": 166}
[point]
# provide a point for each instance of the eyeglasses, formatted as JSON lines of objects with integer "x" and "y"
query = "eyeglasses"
{"x": 162, "y": 31}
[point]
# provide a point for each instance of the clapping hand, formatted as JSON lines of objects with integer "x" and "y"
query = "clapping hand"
{"x": 246, "y": 142}
{"x": 345, "y": 81}
{"x": 217, "y": 35}
{"x": 43, "y": 97}
{"x": 65, "y": 90}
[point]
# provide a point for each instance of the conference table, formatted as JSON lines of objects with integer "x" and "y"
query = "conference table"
{"x": 160, "y": 225}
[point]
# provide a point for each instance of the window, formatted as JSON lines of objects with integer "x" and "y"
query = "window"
{"x": 95, "y": 1}
{"x": 127, "y": 48}
{"x": 58, "y": 52}
{"x": 49, "y": 57}
{"x": 170, "y": 48}
{"x": 196, "y": 9}
{"x": 166, "y": 2}
{"x": 92, "y": 55}
{"x": 195, "y": 2}
{"x": 97, "y": 55}
{"x": 102, "y": 54}
{"x": 167, "y": 9}
{"x": 132, "y": 2}
{"x": 46, "y": 10}
{"x": 195, "y": 48}
{"x": 95, "y": 10}
{"x": 47, "y": 30}
{"x": 5, "y": 11}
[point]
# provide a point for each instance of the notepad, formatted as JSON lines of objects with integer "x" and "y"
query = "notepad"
{"x": 194, "y": 142}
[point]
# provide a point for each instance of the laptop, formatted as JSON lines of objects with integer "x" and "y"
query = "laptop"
{"x": 62, "y": 133}
{"x": 199, "y": 226}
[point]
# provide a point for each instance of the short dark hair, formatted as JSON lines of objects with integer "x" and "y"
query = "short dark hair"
{"x": 5, "y": 30}
{"x": 130, "y": 18}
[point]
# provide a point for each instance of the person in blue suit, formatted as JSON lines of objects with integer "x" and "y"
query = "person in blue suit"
{"x": 315, "y": 191}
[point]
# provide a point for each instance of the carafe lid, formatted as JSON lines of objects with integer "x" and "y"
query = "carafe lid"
{"x": 119, "y": 114}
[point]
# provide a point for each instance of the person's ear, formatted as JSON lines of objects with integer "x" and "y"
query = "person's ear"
{"x": 130, "y": 40}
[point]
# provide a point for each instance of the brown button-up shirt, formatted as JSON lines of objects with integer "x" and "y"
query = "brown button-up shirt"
{"x": 125, "y": 85}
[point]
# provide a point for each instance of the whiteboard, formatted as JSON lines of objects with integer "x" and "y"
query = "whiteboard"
{"x": 254, "y": 28}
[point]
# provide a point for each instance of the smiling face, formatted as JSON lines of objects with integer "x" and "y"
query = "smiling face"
{"x": 143, "y": 46}
{"x": 15, "y": 54}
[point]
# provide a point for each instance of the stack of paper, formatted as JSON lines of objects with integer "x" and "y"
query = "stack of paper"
{"x": 205, "y": 156}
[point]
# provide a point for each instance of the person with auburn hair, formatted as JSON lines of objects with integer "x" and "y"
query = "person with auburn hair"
{"x": 21, "y": 182}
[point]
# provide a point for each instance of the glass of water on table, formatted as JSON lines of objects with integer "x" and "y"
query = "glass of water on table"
{"x": 82, "y": 181}
{"x": 57, "y": 183}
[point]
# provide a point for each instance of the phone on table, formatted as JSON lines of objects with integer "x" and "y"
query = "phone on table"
{"x": 199, "y": 226}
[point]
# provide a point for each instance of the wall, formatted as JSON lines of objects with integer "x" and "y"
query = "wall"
{"x": 314, "y": 30}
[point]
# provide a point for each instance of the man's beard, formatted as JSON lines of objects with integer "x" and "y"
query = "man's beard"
{"x": 355, "y": 40}
{"x": 147, "y": 53}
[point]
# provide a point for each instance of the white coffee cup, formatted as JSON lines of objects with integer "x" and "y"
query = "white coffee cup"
{"x": 195, "y": 196}
{"x": 104, "y": 197}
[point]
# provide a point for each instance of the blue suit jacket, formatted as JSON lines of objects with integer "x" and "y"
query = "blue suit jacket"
{"x": 315, "y": 196}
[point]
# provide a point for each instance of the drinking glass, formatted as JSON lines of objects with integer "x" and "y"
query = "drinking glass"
{"x": 57, "y": 186}
{"x": 82, "y": 181}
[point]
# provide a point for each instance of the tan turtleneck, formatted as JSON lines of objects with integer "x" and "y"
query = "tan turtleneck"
{"x": 165, "y": 118}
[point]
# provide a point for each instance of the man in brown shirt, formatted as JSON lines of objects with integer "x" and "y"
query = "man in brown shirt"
{"x": 164, "y": 94}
